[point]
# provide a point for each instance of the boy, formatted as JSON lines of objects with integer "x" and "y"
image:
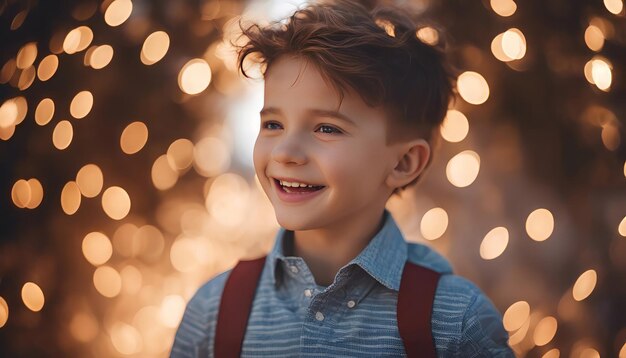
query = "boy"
{"x": 351, "y": 100}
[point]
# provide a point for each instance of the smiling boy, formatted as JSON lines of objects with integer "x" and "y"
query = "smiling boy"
{"x": 349, "y": 110}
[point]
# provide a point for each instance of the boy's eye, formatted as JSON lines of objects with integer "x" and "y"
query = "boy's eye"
{"x": 326, "y": 129}
{"x": 270, "y": 125}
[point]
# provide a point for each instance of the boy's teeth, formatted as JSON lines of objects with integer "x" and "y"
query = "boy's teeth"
{"x": 295, "y": 185}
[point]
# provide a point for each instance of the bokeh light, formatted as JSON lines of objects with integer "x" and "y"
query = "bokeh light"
{"x": 70, "y": 198}
{"x": 81, "y": 104}
{"x": 101, "y": 56}
{"x": 540, "y": 224}
{"x": 494, "y": 243}
{"x": 33, "y": 296}
{"x": 504, "y": 8}
{"x": 516, "y": 315}
{"x": 44, "y": 111}
{"x": 545, "y": 331}
{"x": 155, "y": 47}
{"x": 585, "y": 285}
{"x": 97, "y": 248}
{"x": 134, "y": 137}
{"x": 434, "y": 223}
{"x": 47, "y": 67}
{"x": 455, "y": 126}
{"x": 195, "y": 76}
{"x": 116, "y": 202}
{"x": 473, "y": 87}
{"x": 90, "y": 180}
{"x": 62, "y": 135}
{"x": 118, "y": 12}
{"x": 107, "y": 281}
{"x": 4, "y": 312}
{"x": 463, "y": 168}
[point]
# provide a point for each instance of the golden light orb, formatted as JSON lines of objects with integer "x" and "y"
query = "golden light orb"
{"x": 594, "y": 38}
{"x": 81, "y": 104}
{"x": 622, "y": 227}
{"x": 503, "y": 8}
{"x": 62, "y": 135}
{"x": 515, "y": 316}
{"x": 27, "y": 77}
{"x": 90, "y": 180}
{"x": 163, "y": 175}
{"x": 118, "y": 12}
{"x": 428, "y": 35}
{"x": 44, "y": 111}
{"x": 4, "y": 312}
{"x": 107, "y": 281}
{"x": 116, "y": 202}
{"x": 585, "y": 285}
{"x": 434, "y": 223}
{"x": 601, "y": 73}
{"x": 615, "y": 7}
{"x": 70, "y": 198}
{"x": 21, "y": 193}
{"x": 514, "y": 44}
{"x": 589, "y": 353}
{"x": 77, "y": 40}
{"x": 26, "y": 55}
{"x": 13, "y": 111}
{"x": 463, "y": 168}
{"x": 195, "y": 76}
{"x": 97, "y": 248}
{"x": 545, "y": 331}
{"x": 36, "y": 193}
{"x": 494, "y": 243}
{"x": 155, "y": 47}
{"x": 454, "y": 127}
{"x": 180, "y": 154}
{"x": 540, "y": 224}
{"x": 134, "y": 137}
{"x": 101, "y": 56}
{"x": 47, "y": 67}
{"x": 32, "y": 296}
{"x": 473, "y": 87}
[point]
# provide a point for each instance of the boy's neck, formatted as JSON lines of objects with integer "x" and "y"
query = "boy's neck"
{"x": 326, "y": 250}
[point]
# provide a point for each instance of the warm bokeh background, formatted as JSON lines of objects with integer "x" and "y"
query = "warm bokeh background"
{"x": 126, "y": 178}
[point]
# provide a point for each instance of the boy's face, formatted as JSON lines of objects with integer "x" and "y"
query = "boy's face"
{"x": 347, "y": 160}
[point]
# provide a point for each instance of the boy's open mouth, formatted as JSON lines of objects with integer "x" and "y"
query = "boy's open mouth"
{"x": 294, "y": 187}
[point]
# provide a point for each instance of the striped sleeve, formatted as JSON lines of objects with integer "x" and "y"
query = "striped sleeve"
{"x": 194, "y": 337}
{"x": 483, "y": 334}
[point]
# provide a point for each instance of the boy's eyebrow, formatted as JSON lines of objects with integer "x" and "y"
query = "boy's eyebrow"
{"x": 312, "y": 112}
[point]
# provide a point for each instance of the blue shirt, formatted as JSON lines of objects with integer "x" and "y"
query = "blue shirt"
{"x": 355, "y": 316}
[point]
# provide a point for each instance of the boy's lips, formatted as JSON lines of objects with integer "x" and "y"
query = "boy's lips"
{"x": 296, "y": 194}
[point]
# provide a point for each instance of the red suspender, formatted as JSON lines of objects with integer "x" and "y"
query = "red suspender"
{"x": 415, "y": 307}
{"x": 235, "y": 307}
{"x": 414, "y": 310}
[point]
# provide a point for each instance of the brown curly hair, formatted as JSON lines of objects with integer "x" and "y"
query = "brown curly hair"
{"x": 366, "y": 46}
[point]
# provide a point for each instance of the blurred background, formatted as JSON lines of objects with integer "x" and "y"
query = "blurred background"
{"x": 126, "y": 177}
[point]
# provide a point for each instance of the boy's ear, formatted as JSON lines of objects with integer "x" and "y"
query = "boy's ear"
{"x": 412, "y": 157}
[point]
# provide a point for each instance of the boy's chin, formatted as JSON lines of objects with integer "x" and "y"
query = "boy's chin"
{"x": 294, "y": 222}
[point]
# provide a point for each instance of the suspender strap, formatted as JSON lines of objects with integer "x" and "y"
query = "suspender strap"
{"x": 235, "y": 307}
{"x": 415, "y": 306}
{"x": 414, "y": 310}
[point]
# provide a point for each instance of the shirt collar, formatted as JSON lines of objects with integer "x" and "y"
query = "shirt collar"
{"x": 383, "y": 258}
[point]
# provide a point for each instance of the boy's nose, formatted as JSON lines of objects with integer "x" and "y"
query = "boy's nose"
{"x": 289, "y": 150}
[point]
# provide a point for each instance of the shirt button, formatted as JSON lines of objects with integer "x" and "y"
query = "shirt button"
{"x": 293, "y": 269}
{"x": 351, "y": 304}
{"x": 308, "y": 292}
{"x": 319, "y": 316}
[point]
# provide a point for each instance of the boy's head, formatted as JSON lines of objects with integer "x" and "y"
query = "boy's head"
{"x": 362, "y": 63}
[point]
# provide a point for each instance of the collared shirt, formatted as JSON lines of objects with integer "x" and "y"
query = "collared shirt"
{"x": 355, "y": 316}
